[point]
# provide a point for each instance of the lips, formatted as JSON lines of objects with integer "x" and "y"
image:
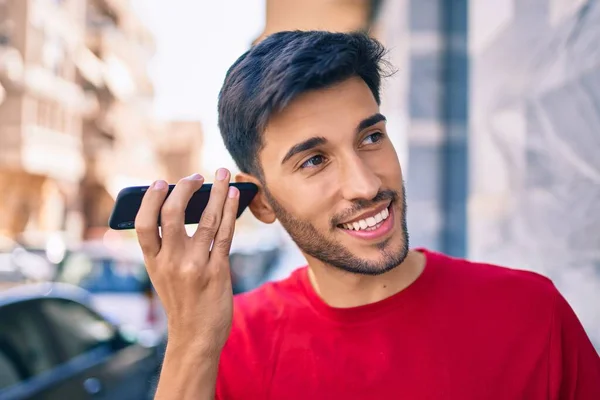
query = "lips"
{"x": 371, "y": 233}
{"x": 368, "y": 223}
{"x": 368, "y": 220}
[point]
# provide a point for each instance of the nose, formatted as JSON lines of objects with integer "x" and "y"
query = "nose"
{"x": 358, "y": 180}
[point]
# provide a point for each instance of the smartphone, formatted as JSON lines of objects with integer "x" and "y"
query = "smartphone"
{"x": 129, "y": 201}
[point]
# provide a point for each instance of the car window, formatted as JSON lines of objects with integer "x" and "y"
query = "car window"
{"x": 104, "y": 274}
{"x": 25, "y": 350}
{"x": 76, "y": 327}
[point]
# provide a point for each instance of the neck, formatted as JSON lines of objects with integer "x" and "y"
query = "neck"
{"x": 343, "y": 289}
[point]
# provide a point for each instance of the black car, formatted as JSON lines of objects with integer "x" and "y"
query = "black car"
{"x": 54, "y": 346}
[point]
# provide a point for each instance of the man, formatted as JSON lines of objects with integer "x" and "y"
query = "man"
{"x": 368, "y": 318}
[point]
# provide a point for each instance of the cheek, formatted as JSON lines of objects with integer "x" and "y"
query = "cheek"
{"x": 384, "y": 163}
{"x": 308, "y": 199}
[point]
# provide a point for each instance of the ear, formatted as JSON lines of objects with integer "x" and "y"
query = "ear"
{"x": 259, "y": 206}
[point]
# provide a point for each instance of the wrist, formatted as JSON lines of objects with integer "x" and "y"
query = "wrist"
{"x": 193, "y": 347}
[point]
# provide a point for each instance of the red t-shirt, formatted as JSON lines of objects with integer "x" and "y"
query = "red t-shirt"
{"x": 461, "y": 331}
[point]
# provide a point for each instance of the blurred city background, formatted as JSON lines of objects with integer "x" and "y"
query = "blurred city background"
{"x": 494, "y": 111}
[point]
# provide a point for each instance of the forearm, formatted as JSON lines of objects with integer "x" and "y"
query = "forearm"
{"x": 187, "y": 373}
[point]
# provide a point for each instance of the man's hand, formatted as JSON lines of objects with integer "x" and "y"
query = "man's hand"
{"x": 191, "y": 279}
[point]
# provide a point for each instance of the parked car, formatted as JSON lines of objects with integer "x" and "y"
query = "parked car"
{"x": 120, "y": 287}
{"x": 18, "y": 266}
{"x": 55, "y": 346}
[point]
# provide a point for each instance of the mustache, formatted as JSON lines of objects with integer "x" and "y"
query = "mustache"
{"x": 363, "y": 204}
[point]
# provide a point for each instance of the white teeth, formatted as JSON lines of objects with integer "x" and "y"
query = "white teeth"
{"x": 367, "y": 223}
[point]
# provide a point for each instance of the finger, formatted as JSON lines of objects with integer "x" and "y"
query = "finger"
{"x": 146, "y": 220}
{"x": 211, "y": 216}
{"x": 224, "y": 236}
{"x": 172, "y": 217}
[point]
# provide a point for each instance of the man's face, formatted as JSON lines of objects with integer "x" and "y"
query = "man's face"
{"x": 333, "y": 179}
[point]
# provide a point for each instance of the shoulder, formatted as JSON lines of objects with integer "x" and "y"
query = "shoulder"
{"x": 486, "y": 276}
{"x": 509, "y": 294}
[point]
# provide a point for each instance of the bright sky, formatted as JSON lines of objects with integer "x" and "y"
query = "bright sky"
{"x": 197, "y": 41}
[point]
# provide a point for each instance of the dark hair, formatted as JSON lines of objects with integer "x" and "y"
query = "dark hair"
{"x": 285, "y": 64}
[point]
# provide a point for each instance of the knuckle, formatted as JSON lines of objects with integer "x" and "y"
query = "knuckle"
{"x": 209, "y": 221}
{"x": 170, "y": 210}
{"x": 142, "y": 226}
{"x": 223, "y": 243}
{"x": 189, "y": 271}
{"x": 194, "y": 273}
{"x": 205, "y": 235}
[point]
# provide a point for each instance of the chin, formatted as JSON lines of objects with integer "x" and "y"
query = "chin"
{"x": 377, "y": 256}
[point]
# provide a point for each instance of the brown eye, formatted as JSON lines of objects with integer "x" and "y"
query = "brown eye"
{"x": 373, "y": 138}
{"x": 312, "y": 162}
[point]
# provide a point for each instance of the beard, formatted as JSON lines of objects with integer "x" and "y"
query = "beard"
{"x": 329, "y": 251}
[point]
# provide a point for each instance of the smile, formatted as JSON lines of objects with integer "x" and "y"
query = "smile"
{"x": 371, "y": 226}
{"x": 369, "y": 223}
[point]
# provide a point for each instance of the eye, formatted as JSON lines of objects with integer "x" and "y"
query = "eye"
{"x": 373, "y": 138}
{"x": 312, "y": 162}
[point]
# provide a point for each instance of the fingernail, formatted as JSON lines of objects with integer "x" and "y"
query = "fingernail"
{"x": 221, "y": 174}
{"x": 159, "y": 185}
{"x": 233, "y": 192}
{"x": 194, "y": 177}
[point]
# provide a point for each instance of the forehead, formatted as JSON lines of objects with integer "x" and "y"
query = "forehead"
{"x": 332, "y": 113}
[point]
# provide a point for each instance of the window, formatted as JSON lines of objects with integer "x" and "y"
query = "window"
{"x": 54, "y": 54}
{"x": 43, "y": 114}
{"x": 25, "y": 348}
{"x": 6, "y": 25}
{"x": 77, "y": 328}
{"x": 105, "y": 275}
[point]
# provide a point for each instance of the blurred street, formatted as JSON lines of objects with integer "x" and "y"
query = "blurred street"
{"x": 494, "y": 113}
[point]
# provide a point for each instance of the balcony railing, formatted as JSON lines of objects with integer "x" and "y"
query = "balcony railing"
{"x": 66, "y": 161}
{"x": 42, "y": 151}
{"x": 11, "y": 64}
{"x": 116, "y": 48}
{"x": 43, "y": 83}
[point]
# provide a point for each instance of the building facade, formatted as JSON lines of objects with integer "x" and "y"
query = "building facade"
{"x": 76, "y": 120}
{"x": 41, "y": 158}
{"x": 534, "y": 198}
{"x": 332, "y": 15}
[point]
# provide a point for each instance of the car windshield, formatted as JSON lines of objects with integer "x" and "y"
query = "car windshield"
{"x": 107, "y": 274}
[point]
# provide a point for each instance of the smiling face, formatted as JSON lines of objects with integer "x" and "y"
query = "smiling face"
{"x": 332, "y": 178}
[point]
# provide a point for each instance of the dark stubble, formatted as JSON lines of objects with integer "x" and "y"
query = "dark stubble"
{"x": 330, "y": 251}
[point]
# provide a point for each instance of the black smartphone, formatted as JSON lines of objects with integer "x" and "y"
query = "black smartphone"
{"x": 129, "y": 201}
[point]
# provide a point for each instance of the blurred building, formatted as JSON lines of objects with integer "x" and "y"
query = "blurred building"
{"x": 535, "y": 143}
{"x": 76, "y": 120}
{"x": 41, "y": 158}
{"x": 178, "y": 147}
{"x": 124, "y": 145}
{"x": 332, "y": 15}
{"x": 117, "y": 137}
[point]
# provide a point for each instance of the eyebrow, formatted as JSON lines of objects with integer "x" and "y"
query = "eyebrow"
{"x": 313, "y": 142}
{"x": 370, "y": 121}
